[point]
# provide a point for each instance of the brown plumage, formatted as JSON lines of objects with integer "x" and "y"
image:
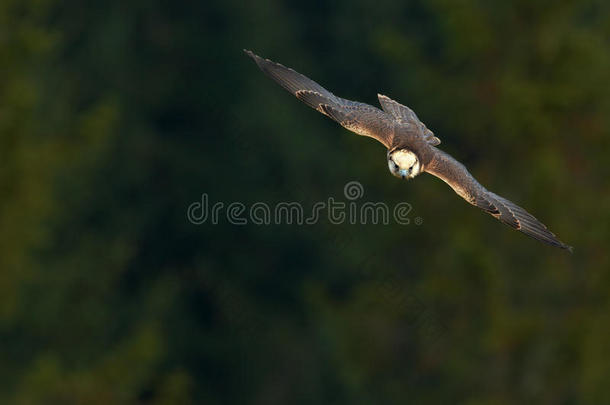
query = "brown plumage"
{"x": 410, "y": 144}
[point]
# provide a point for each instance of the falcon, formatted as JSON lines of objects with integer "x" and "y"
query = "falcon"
{"x": 411, "y": 146}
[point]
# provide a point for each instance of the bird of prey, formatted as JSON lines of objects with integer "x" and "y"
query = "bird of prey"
{"x": 411, "y": 146}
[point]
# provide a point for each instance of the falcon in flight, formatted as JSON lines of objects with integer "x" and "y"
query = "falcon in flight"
{"x": 411, "y": 146}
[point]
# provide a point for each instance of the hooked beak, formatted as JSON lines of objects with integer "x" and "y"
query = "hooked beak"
{"x": 403, "y": 173}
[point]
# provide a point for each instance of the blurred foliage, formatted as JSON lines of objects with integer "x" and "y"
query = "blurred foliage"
{"x": 116, "y": 116}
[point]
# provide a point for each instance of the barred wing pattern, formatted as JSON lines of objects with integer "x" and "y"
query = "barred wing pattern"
{"x": 361, "y": 118}
{"x": 466, "y": 186}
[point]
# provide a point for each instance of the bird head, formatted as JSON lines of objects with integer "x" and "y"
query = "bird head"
{"x": 404, "y": 164}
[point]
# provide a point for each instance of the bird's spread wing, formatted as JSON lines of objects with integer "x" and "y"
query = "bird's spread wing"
{"x": 457, "y": 176}
{"x": 360, "y": 118}
{"x": 405, "y": 115}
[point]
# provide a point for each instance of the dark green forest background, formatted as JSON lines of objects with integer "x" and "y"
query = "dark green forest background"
{"x": 116, "y": 116}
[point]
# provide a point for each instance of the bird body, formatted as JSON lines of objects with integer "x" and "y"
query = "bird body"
{"x": 412, "y": 147}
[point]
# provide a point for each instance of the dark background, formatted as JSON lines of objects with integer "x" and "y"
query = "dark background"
{"x": 116, "y": 116}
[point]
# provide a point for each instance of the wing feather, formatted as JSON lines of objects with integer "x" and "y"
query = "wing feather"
{"x": 363, "y": 121}
{"x": 465, "y": 185}
{"x": 361, "y": 118}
